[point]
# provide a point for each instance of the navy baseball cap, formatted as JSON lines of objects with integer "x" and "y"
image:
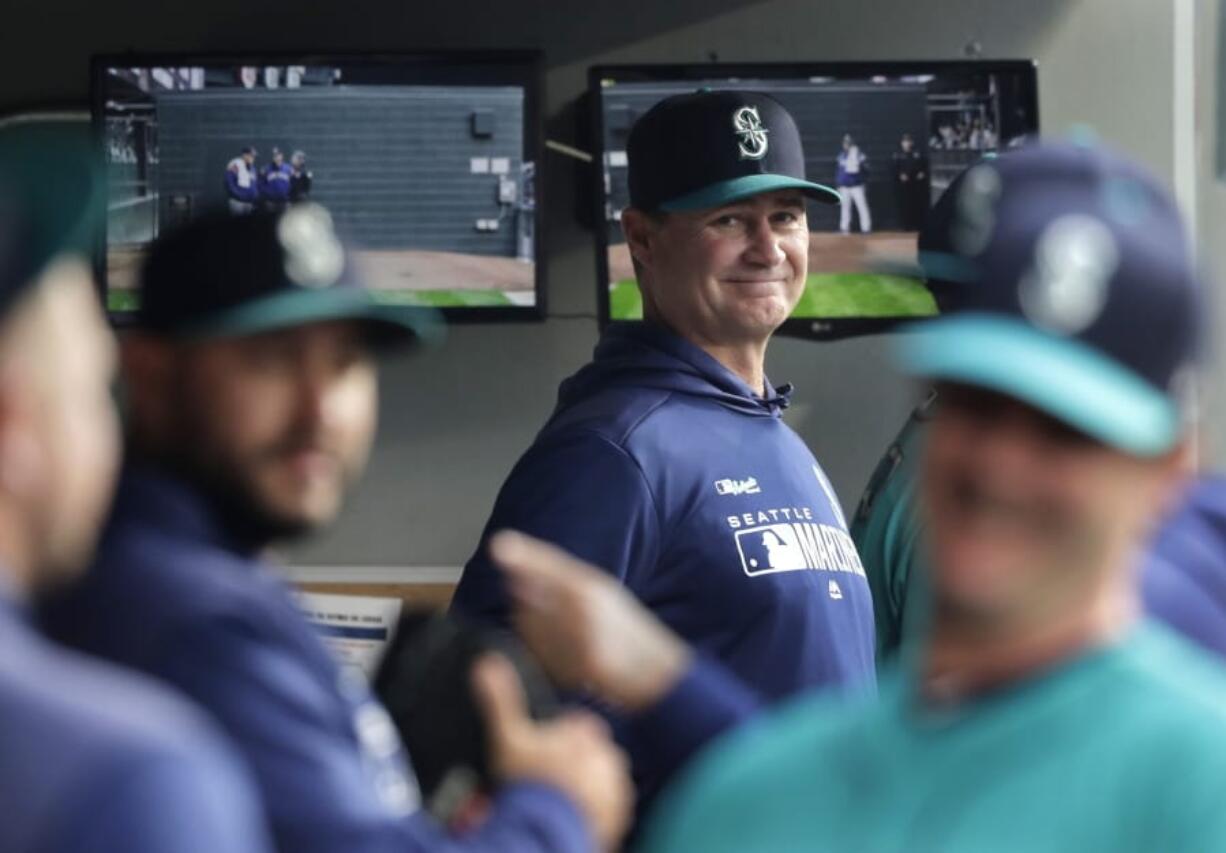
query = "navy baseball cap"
{"x": 51, "y": 200}
{"x": 1081, "y": 297}
{"x": 710, "y": 148}
{"x": 225, "y": 275}
{"x": 944, "y": 272}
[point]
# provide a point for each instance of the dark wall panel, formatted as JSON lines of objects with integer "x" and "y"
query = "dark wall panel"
{"x": 393, "y": 164}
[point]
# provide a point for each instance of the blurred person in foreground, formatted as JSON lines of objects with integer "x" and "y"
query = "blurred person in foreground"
{"x": 250, "y": 383}
{"x": 91, "y": 757}
{"x": 1182, "y": 567}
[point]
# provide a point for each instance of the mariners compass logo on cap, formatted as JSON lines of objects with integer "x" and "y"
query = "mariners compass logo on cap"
{"x": 753, "y": 143}
{"x": 1067, "y": 288}
{"x": 682, "y": 156}
{"x": 314, "y": 257}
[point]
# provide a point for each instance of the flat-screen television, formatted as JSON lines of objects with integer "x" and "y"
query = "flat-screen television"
{"x": 953, "y": 113}
{"x": 427, "y": 163}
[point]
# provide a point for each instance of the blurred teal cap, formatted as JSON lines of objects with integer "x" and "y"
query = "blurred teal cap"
{"x": 51, "y": 198}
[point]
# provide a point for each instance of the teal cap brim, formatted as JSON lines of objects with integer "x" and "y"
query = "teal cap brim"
{"x": 392, "y": 324}
{"x": 1068, "y": 380}
{"x": 735, "y": 189}
{"x": 52, "y": 191}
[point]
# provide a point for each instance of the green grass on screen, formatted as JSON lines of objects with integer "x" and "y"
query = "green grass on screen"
{"x": 827, "y": 295}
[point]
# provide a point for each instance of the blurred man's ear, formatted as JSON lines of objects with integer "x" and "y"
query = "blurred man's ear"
{"x": 22, "y": 459}
{"x": 1186, "y": 455}
{"x": 28, "y": 369}
{"x": 1175, "y": 470}
{"x": 147, "y": 369}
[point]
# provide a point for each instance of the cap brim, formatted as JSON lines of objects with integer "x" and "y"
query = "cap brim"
{"x": 394, "y": 325}
{"x": 53, "y": 182}
{"x": 1060, "y": 376}
{"x": 726, "y": 192}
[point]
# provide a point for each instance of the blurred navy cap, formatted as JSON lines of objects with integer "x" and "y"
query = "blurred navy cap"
{"x": 228, "y": 275}
{"x": 1078, "y": 294}
{"x": 946, "y": 273}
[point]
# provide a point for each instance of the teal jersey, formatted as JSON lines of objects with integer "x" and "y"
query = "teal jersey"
{"x": 886, "y": 533}
{"x": 1121, "y": 749}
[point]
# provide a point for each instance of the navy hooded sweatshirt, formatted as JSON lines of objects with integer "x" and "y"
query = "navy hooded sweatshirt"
{"x": 175, "y": 593}
{"x": 664, "y": 468}
{"x": 1183, "y": 574}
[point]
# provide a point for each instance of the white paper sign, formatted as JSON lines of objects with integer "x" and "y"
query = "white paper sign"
{"x": 355, "y": 628}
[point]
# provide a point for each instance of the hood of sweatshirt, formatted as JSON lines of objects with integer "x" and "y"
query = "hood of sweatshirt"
{"x": 644, "y": 355}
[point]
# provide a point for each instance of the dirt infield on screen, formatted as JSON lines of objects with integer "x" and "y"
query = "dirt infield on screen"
{"x": 839, "y": 283}
{"x": 410, "y": 277}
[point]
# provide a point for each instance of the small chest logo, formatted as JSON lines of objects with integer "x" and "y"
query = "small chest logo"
{"x": 836, "y": 592}
{"x": 753, "y": 142}
{"x": 738, "y": 487}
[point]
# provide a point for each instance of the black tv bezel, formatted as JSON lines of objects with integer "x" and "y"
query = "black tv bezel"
{"x": 497, "y": 67}
{"x": 822, "y": 329}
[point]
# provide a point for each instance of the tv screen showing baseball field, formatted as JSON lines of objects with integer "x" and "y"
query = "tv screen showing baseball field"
{"x": 427, "y": 168}
{"x": 888, "y": 137}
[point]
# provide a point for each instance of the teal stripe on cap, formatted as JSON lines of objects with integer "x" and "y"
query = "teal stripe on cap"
{"x": 735, "y": 189}
{"x": 296, "y": 307}
{"x": 1061, "y": 376}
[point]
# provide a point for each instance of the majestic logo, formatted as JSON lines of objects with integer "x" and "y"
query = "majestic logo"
{"x": 738, "y": 487}
{"x": 748, "y": 126}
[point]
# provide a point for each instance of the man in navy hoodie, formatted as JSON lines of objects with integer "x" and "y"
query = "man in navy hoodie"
{"x": 1183, "y": 571}
{"x": 251, "y": 389}
{"x": 91, "y": 757}
{"x": 667, "y": 461}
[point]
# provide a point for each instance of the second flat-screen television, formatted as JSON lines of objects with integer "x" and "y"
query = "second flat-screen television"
{"x": 426, "y": 161}
{"x": 953, "y": 113}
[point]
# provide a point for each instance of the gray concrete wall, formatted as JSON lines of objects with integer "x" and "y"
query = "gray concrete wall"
{"x": 1210, "y": 77}
{"x": 456, "y": 419}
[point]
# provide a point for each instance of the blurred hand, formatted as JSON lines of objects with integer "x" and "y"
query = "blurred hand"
{"x": 573, "y": 752}
{"x": 587, "y": 630}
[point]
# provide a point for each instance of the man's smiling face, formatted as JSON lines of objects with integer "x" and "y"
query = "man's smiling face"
{"x": 724, "y": 275}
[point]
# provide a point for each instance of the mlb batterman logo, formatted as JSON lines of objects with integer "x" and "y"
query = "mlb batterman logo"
{"x": 753, "y": 142}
